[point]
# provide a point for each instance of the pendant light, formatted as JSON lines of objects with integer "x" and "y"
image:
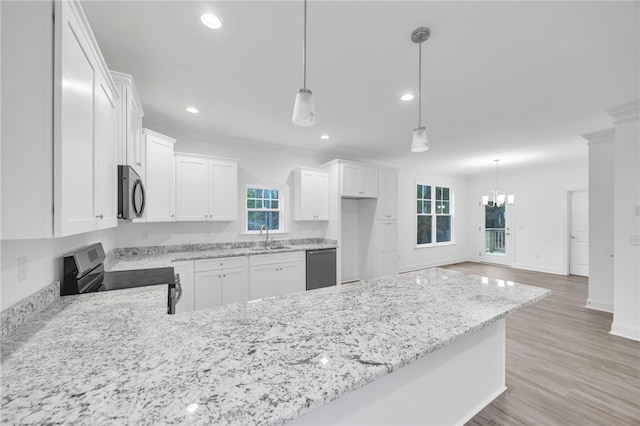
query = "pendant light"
{"x": 497, "y": 199}
{"x": 420, "y": 142}
{"x": 303, "y": 110}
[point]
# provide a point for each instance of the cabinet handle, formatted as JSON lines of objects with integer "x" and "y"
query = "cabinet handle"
{"x": 139, "y": 164}
{"x": 224, "y": 275}
{"x": 100, "y": 216}
{"x": 173, "y": 215}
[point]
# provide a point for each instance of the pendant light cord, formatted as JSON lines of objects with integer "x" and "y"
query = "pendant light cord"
{"x": 304, "y": 48}
{"x": 419, "y": 84}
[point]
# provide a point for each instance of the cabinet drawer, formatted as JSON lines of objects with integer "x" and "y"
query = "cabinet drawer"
{"x": 296, "y": 256}
{"x": 268, "y": 259}
{"x": 263, "y": 259}
{"x": 220, "y": 263}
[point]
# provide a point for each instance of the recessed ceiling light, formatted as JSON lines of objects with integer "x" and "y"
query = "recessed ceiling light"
{"x": 211, "y": 21}
{"x": 192, "y": 110}
{"x": 407, "y": 97}
{"x": 324, "y": 137}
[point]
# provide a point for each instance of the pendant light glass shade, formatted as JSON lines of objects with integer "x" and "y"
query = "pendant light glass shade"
{"x": 303, "y": 110}
{"x": 498, "y": 199}
{"x": 419, "y": 142}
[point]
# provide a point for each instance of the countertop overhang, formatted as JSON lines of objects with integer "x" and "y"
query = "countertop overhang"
{"x": 117, "y": 358}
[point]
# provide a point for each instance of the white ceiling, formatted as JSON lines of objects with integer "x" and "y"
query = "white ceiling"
{"x": 519, "y": 81}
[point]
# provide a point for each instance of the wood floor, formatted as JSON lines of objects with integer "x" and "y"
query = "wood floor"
{"x": 563, "y": 366}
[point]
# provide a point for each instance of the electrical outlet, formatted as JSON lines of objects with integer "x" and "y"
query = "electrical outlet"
{"x": 22, "y": 268}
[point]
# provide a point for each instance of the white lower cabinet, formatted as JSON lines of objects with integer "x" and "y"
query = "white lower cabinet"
{"x": 276, "y": 274}
{"x": 220, "y": 282}
{"x": 186, "y": 271}
{"x": 387, "y": 248}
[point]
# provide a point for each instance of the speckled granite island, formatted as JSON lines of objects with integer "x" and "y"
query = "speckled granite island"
{"x": 116, "y": 358}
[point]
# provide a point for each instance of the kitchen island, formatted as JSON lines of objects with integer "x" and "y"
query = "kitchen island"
{"x": 117, "y": 358}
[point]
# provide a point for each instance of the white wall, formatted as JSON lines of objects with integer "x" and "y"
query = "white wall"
{"x": 410, "y": 257}
{"x": 540, "y": 215}
{"x": 600, "y": 220}
{"x": 626, "y": 225}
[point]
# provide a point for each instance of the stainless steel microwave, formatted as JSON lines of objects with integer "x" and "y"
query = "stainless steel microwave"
{"x": 130, "y": 193}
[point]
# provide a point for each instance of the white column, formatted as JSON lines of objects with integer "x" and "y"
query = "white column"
{"x": 626, "y": 221}
{"x": 600, "y": 220}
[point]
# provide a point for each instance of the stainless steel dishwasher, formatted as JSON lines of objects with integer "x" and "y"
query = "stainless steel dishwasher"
{"x": 321, "y": 268}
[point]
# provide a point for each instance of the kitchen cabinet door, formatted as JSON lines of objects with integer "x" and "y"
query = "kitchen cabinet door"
{"x": 192, "y": 188}
{"x": 387, "y": 195}
{"x": 223, "y": 190}
{"x": 291, "y": 278}
{"x": 369, "y": 182}
{"x": 208, "y": 289}
{"x": 74, "y": 197}
{"x": 350, "y": 181}
{"x": 311, "y": 194}
{"x": 263, "y": 281}
{"x": 106, "y": 190}
{"x": 160, "y": 180}
{"x": 235, "y": 286}
{"x": 187, "y": 281}
{"x": 387, "y": 248}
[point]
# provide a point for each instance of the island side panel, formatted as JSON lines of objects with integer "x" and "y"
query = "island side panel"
{"x": 446, "y": 387}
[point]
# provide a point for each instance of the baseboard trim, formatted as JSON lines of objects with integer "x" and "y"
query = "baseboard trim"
{"x": 539, "y": 269}
{"x": 625, "y": 330}
{"x": 599, "y": 305}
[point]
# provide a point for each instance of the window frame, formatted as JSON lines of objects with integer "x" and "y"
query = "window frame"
{"x": 433, "y": 214}
{"x": 282, "y": 197}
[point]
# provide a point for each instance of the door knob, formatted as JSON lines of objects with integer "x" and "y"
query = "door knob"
{"x": 100, "y": 216}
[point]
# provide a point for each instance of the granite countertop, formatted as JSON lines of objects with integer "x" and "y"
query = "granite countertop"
{"x": 117, "y": 358}
{"x": 126, "y": 259}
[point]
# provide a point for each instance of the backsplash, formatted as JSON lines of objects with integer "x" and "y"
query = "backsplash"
{"x": 140, "y": 251}
{"x": 25, "y": 309}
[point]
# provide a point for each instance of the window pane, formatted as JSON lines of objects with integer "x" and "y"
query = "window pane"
{"x": 419, "y": 210}
{"x": 443, "y": 228}
{"x": 274, "y": 204}
{"x": 442, "y": 207}
{"x": 254, "y": 193}
{"x": 426, "y": 207}
{"x": 419, "y": 195}
{"x": 251, "y": 204}
{"x": 426, "y": 192}
{"x": 424, "y": 230}
{"x": 445, "y": 194}
{"x": 255, "y": 220}
{"x": 438, "y": 193}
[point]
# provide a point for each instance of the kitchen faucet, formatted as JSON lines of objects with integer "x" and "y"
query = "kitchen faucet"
{"x": 265, "y": 228}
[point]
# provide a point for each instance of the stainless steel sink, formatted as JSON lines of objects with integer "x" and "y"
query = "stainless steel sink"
{"x": 270, "y": 248}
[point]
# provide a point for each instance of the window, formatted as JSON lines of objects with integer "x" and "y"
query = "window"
{"x": 434, "y": 210}
{"x": 264, "y": 207}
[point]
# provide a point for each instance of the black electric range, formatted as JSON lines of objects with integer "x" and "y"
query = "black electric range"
{"x": 84, "y": 273}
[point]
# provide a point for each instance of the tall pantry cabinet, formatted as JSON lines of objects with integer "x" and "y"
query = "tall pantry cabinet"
{"x": 54, "y": 77}
{"x": 387, "y": 234}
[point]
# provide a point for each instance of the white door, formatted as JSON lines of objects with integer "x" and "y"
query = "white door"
{"x": 579, "y": 234}
{"x": 322, "y": 196}
{"x": 291, "y": 278}
{"x": 235, "y": 287}
{"x": 263, "y": 281}
{"x": 192, "y": 188}
{"x": 495, "y": 235}
{"x": 207, "y": 289}
{"x": 307, "y": 195}
{"x": 369, "y": 182}
{"x": 223, "y": 195}
{"x": 159, "y": 182}
{"x": 73, "y": 194}
{"x": 106, "y": 192}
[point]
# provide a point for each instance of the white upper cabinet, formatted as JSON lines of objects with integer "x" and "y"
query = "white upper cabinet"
{"x": 358, "y": 181}
{"x": 84, "y": 116}
{"x": 129, "y": 131}
{"x": 311, "y": 194}
{"x": 206, "y": 188}
{"x": 387, "y": 194}
{"x": 160, "y": 180}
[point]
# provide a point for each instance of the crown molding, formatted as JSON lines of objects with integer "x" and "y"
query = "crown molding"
{"x": 626, "y": 112}
{"x": 601, "y": 136}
